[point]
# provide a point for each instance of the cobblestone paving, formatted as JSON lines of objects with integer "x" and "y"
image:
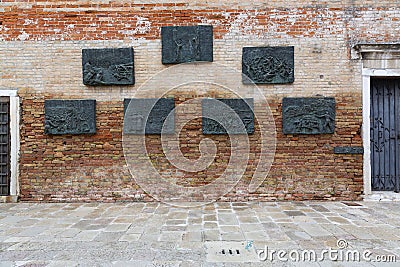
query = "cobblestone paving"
{"x": 154, "y": 234}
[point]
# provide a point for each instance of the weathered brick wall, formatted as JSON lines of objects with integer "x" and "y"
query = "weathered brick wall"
{"x": 40, "y": 52}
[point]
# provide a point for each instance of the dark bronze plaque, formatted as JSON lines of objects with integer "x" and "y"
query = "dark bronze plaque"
{"x": 268, "y": 65}
{"x": 348, "y": 150}
{"x": 182, "y": 44}
{"x": 108, "y": 66}
{"x": 308, "y": 115}
{"x": 70, "y": 116}
{"x": 149, "y": 116}
{"x": 224, "y": 116}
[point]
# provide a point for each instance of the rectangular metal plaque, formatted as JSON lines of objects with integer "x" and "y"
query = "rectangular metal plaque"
{"x": 268, "y": 65}
{"x": 348, "y": 150}
{"x": 70, "y": 116}
{"x": 182, "y": 44}
{"x": 149, "y": 116}
{"x": 108, "y": 66}
{"x": 308, "y": 115}
{"x": 224, "y": 116}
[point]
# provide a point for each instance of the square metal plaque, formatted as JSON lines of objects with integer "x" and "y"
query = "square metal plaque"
{"x": 223, "y": 116}
{"x": 268, "y": 65}
{"x": 182, "y": 44}
{"x": 308, "y": 115}
{"x": 70, "y": 116}
{"x": 108, "y": 66}
{"x": 149, "y": 116}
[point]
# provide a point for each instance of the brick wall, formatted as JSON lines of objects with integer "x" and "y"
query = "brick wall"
{"x": 40, "y": 52}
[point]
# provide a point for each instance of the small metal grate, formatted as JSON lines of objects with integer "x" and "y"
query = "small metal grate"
{"x": 231, "y": 251}
{"x": 4, "y": 146}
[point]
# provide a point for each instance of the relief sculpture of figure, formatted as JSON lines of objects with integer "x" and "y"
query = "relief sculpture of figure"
{"x": 99, "y": 76}
{"x": 283, "y": 69}
{"x": 179, "y": 44}
{"x": 88, "y": 73}
{"x": 136, "y": 122}
{"x": 195, "y": 45}
{"x": 56, "y": 120}
{"x": 327, "y": 122}
{"x": 81, "y": 120}
{"x": 311, "y": 123}
{"x": 93, "y": 75}
{"x": 122, "y": 71}
{"x": 267, "y": 68}
{"x": 186, "y": 46}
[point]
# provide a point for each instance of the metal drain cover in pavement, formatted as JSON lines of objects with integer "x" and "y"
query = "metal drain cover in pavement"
{"x": 224, "y": 251}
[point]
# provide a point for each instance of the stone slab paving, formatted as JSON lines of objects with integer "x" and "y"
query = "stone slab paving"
{"x": 218, "y": 234}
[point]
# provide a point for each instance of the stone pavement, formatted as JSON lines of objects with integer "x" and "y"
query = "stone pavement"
{"x": 219, "y": 234}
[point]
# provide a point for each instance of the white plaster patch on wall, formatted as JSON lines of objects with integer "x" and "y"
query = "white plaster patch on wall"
{"x": 291, "y": 20}
{"x": 226, "y": 14}
{"x": 68, "y": 29}
{"x": 30, "y": 22}
{"x": 143, "y": 25}
{"x": 383, "y": 18}
{"x": 3, "y": 29}
{"x": 127, "y": 32}
{"x": 245, "y": 24}
{"x": 23, "y": 36}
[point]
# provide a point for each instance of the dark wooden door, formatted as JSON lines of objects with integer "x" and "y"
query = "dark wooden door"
{"x": 385, "y": 134}
{"x": 4, "y": 146}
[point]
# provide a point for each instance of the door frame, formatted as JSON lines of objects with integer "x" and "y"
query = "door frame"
{"x": 367, "y": 73}
{"x": 377, "y": 60}
{"x": 14, "y": 142}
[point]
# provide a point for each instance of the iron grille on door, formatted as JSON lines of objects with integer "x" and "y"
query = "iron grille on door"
{"x": 4, "y": 146}
{"x": 385, "y": 134}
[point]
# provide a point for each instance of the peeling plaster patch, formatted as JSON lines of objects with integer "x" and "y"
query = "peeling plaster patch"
{"x": 207, "y": 21}
{"x": 23, "y": 36}
{"x": 65, "y": 34}
{"x": 127, "y": 32}
{"x": 142, "y": 25}
{"x": 226, "y": 15}
{"x": 245, "y": 24}
{"x": 291, "y": 20}
{"x": 30, "y": 22}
